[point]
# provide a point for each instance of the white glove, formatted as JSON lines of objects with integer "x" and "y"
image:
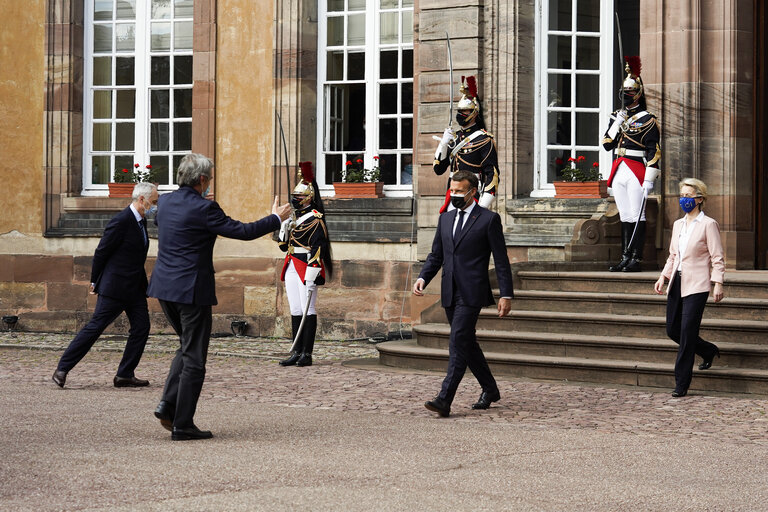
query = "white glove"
{"x": 651, "y": 173}
{"x": 445, "y": 143}
{"x": 647, "y": 187}
{"x": 285, "y": 229}
{"x": 486, "y": 199}
{"x": 310, "y": 274}
{"x": 621, "y": 116}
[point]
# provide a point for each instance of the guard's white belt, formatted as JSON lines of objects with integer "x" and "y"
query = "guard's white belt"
{"x": 300, "y": 250}
{"x": 631, "y": 152}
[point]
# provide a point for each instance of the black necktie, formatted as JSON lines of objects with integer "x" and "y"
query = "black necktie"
{"x": 459, "y": 227}
{"x": 143, "y": 226}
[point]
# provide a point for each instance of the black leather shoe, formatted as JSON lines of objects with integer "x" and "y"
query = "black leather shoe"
{"x": 189, "y": 434}
{"x": 620, "y": 265}
{"x": 679, "y": 394}
{"x": 439, "y": 406}
{"x": 632, "y": 266}
{"x": 131, "y": 382}
{"x": 291, "y": 360}
{"x": 486, "y": 399}
{"x": 707, "y": 364}
{"x": 165, "y": 413}
{"x": 304, "y": 360}
{"x": 59, "y": 378}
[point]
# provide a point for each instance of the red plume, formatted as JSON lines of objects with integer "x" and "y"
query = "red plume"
{"x": 307, "y": 174}
{"x": 634, "y": 64}
{"x": 472, "y": 85}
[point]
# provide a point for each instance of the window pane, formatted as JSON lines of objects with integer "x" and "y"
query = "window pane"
{"x": 123, "y": 162}
{"x": 559, "y": 128}
{"x": 124, "y": 133}
{"x": 406, "y": 133}
{"x": 587, "y": 129}
{"x": 182, "y": 36}
{"x": 182, "y": 103}
{"x": 588, "y": 16}
{"x": 102, "y": 136}
{"x": 559, "y": 52}
{"x": 356, "y": 66}
{"x": 388, "y": 133}
{"x": 406, "y": 169}
{"x": 158, "y": 137}
{"x": 389, "y": 25}
{"x": 388, "y": 166}
{"x": 182, "y": 69}
{"x": 125, "y": 36}
{"x": 176, "y": 162}
{"x": 407, "y": 64}
{"x": 356, "y": 5}
{"x": 356, "y": 30}
{"x": 126, "y": 104}
{"x": 102, "y": 104}
{"x": 332, "y": 168}
{"x": 159, "y": 103}
{"x": 102, "y": 38}
{"x": 161, "y": 37}
{"x": 183, "y": 8}
{"x": 102, "y": 9}
{"x": 388, "y": 64}
{"x": 101, "y": 169}
{"x": 182, "y": 136}
{"x": 161, "y": 70}
{"x": 407, "y": 3}
{"x": 124, "y": 69}
{"x": 102, "y": 71}
{"x": 556, "y": 162}
{"x": 335, "y": 31}
{"x": 560, "y": 15}
{"x": 588, "y": 91}
{"x": 335, "y": 66}
{"x": 159, "y": 164}
{"x": 588, "y": 52}
{"x": 559, "y": 90}
{"x": 406, "y": 103}
{"x": 388, "y": 99}
{"x": 126, "y": 9}
{"x": 407, "y": 26}
{"x": 161, "y": 9}
{"x": 388, "y": 4}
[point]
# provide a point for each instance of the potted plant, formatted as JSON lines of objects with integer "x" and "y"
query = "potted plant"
{"x": 124, "y": 180}
{"x": 579, "y": 180}
{"x": 357, "y": 181}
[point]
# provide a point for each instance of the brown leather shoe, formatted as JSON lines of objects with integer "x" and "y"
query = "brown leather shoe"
{"x": 165, "y": 412}
{"x": 132, "y": 382}
{"x": 59, "y": 378}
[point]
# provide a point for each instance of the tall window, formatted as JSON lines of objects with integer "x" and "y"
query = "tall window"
{"x": 574, "y": 79}
{"x": 365, "y": 90}
{"x": 138, "y": 94}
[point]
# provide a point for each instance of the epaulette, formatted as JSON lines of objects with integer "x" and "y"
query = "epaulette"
{"x": 317, "y": 214}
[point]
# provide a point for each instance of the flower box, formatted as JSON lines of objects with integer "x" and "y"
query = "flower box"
{"x": 354, "y": 190}
{"x": 121, "y": 189}
{"x": 581, "y": 189}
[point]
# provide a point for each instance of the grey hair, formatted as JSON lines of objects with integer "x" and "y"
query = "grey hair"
{"x": 193, "y": 166}
{"x": 143, "y": 189}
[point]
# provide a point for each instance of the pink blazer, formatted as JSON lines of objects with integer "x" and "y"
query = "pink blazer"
{"x": 702, "y": 262}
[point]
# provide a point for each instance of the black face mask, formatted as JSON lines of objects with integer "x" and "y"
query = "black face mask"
{"x": 629, "y": 97}
{"x": 458, "y": 202}
{"x": 296, "y": 202}
{"x": 461, "y": 118}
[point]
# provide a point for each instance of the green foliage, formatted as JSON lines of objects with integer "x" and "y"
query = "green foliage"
{"x": 575, "y": 170}
{"x": 356, "y": 173}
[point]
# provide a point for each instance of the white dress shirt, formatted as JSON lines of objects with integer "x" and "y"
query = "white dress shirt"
{"x": 685, "y": 235}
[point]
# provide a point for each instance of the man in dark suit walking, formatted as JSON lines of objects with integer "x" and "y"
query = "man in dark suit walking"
{"x": 119, "y": 279}
{"x": 463, "y": 244}
{"x": 183, "y": 281}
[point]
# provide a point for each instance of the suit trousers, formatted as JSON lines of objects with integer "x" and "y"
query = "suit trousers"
{"x": 683, "y": 322}
{"x": 464, "y": 351}
{"x": 185, "y": 378}
{"x": 106, "y": 311}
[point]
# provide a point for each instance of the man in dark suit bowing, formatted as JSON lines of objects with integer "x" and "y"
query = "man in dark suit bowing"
{"x": 183, "y": 281}
{"x": 119, "y": 279}
{"x": 465, "y": 239}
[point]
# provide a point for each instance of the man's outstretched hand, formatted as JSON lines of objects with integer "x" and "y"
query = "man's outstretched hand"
{"x": 282, "y": 211}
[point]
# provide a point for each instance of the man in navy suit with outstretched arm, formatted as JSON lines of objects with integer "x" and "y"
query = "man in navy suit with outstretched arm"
{"x": 465, "y": 239}
{"x": 182, "y": 280}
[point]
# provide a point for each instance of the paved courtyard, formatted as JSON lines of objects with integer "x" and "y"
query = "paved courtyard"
{"x": 346, "y": 434}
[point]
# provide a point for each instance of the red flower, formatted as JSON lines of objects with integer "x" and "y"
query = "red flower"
{"x": 359, "y": 161}
{"x": 149, "y": 166}
{"x": 580, "y": 158}
{"x": 135, "y": 165}
{"x": 375, "y": 158}
{"x": 125, "y": 170}
{"x": 571, "y": 159}
{"x": 595, "y": 164}
{"x": 558, "y": 161}
{"x": 349, "y": 162}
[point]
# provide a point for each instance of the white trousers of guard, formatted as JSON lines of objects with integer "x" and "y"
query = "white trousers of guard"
{"x": 628, "y": 193}
{"x": 297, "y": 292}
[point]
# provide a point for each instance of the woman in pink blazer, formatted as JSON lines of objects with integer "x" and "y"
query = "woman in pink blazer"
{"x": 695, "y": 262}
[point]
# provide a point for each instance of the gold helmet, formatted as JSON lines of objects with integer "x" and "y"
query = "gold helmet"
{"x": 632, "y": 87}
{"x": 468, "y": 107}
{"x": 304, "y": 191}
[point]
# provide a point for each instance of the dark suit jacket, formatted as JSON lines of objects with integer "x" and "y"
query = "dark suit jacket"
{"x": 188, "y": 226}
{"x": 466, "y": 263}
{"x": 118, "y": 263}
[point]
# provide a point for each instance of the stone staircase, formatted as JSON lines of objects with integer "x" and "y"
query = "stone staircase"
{"x": 604, "y": 328}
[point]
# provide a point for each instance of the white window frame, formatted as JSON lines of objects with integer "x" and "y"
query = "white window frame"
{"x": 542, "y": 188}
{"x": 372, "y": 65}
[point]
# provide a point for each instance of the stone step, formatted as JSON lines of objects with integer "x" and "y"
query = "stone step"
{"x": 586, "y": 346}
{"x": 536, "y": 240}
{"x": 541, "y": 229}
{"x": 625, "y": 326}
{"x": 632, "y": 304}
{"x": 408, "y": 354}
{"x": 738, "y": 284}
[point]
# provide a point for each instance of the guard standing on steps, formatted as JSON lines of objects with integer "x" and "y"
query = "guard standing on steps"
{"x": 304, "y": 237}
{"x": 635, "y": 134}
{"x": 471, "y": 149}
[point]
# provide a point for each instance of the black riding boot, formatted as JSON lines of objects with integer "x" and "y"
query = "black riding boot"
{"x": 294, "y": 357}
{"x": 637, "y": 249}
{"x": 308, "y": 335}
{"x": 626, "y": 234}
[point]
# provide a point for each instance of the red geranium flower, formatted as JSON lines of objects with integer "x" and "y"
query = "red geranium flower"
{"x": 349, "y": 162}
{"x": 135, "y": 165}
{"x": 571, "y": 159}
{"x": 359, "y": 161}
{"x": 149, "y": 166}
{"x": 375, "y": 158}
{"x": 125, "y": 170}
{"x": 595, "y": 164}
{"x": 558, "y": 161}
{"x": 580, "y": 158}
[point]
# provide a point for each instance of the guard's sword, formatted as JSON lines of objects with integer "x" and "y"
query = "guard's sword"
{"x": 450, "y": 86}
{"x": 285, "y": 150}
{"x": 303, "y": 318}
